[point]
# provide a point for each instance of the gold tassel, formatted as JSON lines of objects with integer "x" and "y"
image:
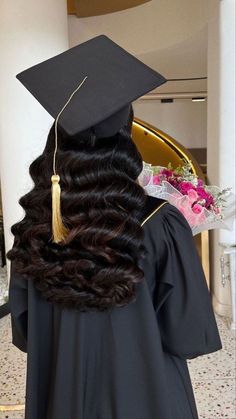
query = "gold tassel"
{"x": 59, "y": 231}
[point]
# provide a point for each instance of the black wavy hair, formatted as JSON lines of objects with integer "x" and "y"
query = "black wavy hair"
{"x": 97, "y": 267}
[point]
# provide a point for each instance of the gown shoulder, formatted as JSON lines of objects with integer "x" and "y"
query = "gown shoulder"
{"x": 181, "y": 297}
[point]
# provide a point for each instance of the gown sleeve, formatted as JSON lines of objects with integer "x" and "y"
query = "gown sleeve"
{"x": 18, "y": 301}
{"x": 182, "y": 300}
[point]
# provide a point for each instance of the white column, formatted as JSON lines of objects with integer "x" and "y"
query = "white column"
{"x": 30, "y": 32}
{"x": 221, "y": 128}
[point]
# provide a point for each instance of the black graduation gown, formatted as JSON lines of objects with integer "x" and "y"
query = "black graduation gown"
{"x": 125, "y": 363}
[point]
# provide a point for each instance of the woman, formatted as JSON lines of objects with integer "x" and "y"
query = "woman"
{"x": 110, "y": 313}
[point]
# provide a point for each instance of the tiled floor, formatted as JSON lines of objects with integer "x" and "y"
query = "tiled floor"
{"x": 213, "y": 377}
{"x": 3, "y": 285}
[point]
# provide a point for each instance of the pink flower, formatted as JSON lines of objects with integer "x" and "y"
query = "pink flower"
{"x": 184, "y": 187}
{"x": 156, "y": 180}
{"x": 200, "y": 182}
{"x": 205, "y": 195}
{"x": 197, "y": 209}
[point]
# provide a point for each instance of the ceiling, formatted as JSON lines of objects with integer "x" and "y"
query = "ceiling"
{"x": 86, "y": 8}
{"x": 186, "y": 59}
{"x": 169, "y": 36}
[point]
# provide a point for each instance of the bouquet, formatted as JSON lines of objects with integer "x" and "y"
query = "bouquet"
{"x": 205, "y": 207}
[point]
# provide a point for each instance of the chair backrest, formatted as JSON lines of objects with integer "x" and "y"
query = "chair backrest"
{"x": 158, "y": 148}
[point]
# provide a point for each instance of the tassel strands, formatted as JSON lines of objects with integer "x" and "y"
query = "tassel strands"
{"x": 58, "y": 228}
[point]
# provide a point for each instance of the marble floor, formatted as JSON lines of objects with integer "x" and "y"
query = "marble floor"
{"x": 213, "y": 377}
{"x": 3, "y": 285}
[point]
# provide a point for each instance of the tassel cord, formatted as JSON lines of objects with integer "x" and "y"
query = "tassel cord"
{"x": 59, "y": 230}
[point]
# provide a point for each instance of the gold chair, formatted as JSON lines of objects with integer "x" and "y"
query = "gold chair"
{"x": 158, "y": 148}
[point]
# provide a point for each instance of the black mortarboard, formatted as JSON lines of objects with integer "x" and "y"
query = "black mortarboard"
{"x": 115, "y": 78}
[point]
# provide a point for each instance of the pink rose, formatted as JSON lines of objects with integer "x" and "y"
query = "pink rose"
{"x": 184, "y": 187}
{"x": 197, "y": 209}
{"x": 205, "y": 195}
{"x": 156, "y": 180}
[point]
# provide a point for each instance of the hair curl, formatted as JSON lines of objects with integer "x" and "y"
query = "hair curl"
{"x": 97, "y": 268}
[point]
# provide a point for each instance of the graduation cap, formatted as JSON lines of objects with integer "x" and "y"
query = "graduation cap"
{"x": 88, "y": 86}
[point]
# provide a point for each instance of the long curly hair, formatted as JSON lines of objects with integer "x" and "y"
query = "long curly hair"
{"x": 97, "y": 267}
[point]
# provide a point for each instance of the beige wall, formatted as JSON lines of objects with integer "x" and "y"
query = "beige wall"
{"x": 183, "y": 119}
